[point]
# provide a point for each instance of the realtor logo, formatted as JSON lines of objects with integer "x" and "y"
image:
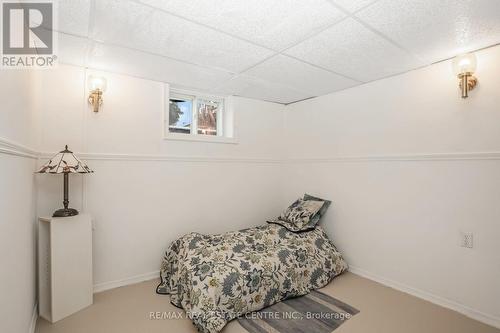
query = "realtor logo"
{"x": 28, "y": 35}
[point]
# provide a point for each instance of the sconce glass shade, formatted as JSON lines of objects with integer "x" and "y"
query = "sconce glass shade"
{"x": 465, "y": 63}
{"x": 65, "y": 162}
{"x": 97, "y": 82}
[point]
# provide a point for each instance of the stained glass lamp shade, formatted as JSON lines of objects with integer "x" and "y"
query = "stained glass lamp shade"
{"x": 65, "y": 162}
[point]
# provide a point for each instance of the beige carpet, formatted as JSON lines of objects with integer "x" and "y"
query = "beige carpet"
{"x": 383, "y": 310}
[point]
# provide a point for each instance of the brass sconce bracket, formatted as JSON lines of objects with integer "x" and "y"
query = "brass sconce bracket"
{"x": 95, "y": 99}
{"x": 467, "y": 83}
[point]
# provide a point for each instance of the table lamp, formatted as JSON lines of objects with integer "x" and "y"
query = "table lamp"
{"x": 65, "y": 162}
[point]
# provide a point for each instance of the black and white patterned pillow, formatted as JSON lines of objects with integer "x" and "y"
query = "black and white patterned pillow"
{"x": 300, "y": 216}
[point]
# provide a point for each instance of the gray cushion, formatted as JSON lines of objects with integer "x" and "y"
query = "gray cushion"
{"x": 323, "y": 209}
{"x": 300, "y": 216}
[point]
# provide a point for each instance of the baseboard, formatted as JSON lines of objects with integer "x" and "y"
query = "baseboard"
{"x": 441, "y": 301}
{"x": 438, "y": 300}
{"x": 34, "y": 318}
{"x": 125, "y": 282}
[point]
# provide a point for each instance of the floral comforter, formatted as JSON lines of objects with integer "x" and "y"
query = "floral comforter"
{"x": 216, "y": 278}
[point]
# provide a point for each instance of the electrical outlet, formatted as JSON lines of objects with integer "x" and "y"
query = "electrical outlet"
{"x": 467, "y": 240}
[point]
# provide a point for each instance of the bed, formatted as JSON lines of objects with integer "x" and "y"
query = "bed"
{"x": 216, "y": 278}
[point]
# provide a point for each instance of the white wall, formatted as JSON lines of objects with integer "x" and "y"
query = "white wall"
{"x": 17, "y": 204}
{"x": 147, "y": 191}
{"x": 408, "y": 164}
{"x": 381, "y": 152}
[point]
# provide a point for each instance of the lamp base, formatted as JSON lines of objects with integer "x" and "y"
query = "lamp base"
{"x": 65, "y": 212}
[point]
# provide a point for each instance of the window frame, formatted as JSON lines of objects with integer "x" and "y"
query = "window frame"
{"x": 193, "y": 135}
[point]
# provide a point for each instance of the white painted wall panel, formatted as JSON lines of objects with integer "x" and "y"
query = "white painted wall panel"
{"x": 17, "y": 203}
{"x": 140, "y": 206}
{"x": 401, "y": 220}
{"x": 18, "y": 118}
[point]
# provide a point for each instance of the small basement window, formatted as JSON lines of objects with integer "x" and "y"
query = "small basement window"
{"x": 194, "y": 117}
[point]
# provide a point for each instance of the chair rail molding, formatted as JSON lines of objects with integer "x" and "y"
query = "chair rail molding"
{"x": 170, "y": 158}
{"x": 462, "y": 156}
{"x": 9, "y": 147}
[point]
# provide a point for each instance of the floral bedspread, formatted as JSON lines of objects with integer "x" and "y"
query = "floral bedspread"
{"x": 217, "y": 278}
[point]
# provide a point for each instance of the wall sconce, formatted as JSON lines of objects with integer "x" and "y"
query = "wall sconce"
{"x": 464, "y": 66}
{"x": 97, "y": 85}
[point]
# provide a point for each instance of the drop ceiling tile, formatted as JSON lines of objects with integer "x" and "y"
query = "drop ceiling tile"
{"x": 300, "y": 76}
{"x": 71, "y": 17}
{"x": 126, "y": 61}
{"x": 246, "y": 86}
{"x": 353, "y": 5}
{"x": 72, "y": 50}
{"x": 349, "y": 48}
{"x": 272, "y": 23}
{"x": 437, "y": 30}
{"x": 137, "y": 26}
